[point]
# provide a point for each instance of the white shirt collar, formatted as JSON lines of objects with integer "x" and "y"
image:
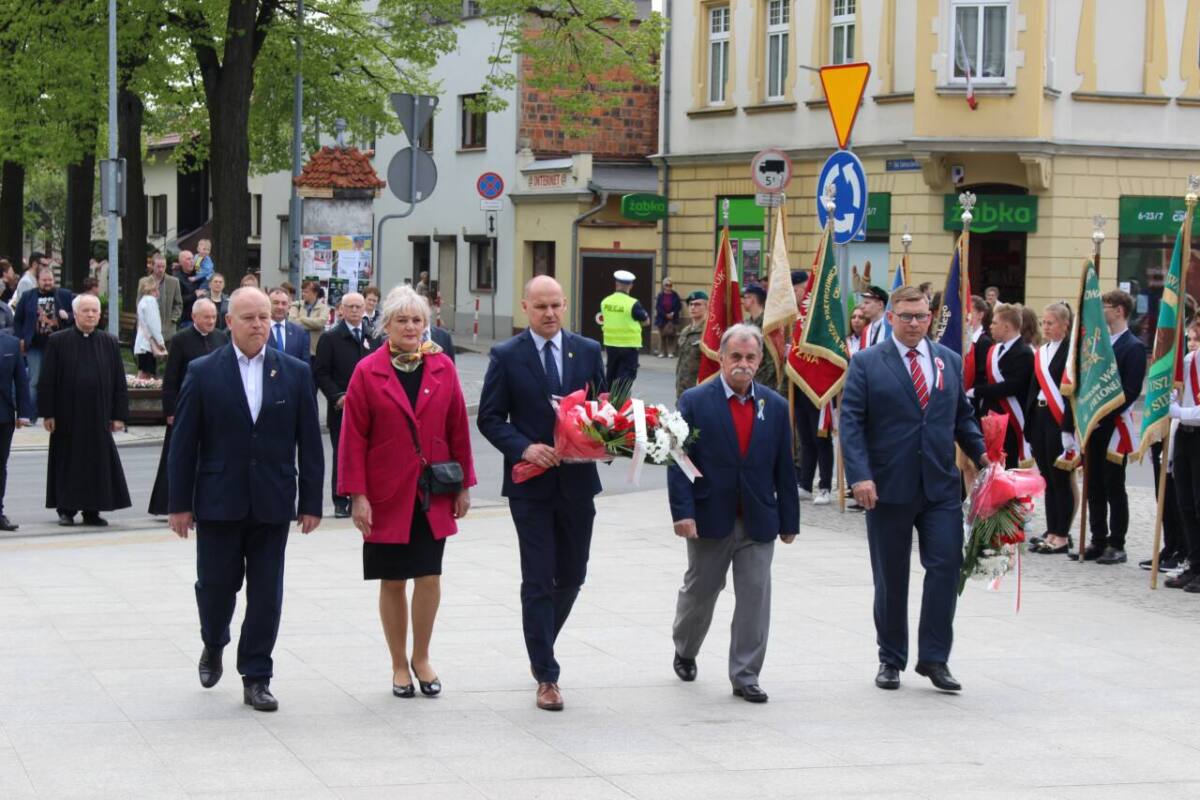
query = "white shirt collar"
{"x": 922, "y": 346}
{"x": 245, "y": 359}
{"x": 729, "y": 392}
{"x": 1112, "y": 337}
{"x": 539, "y": 341}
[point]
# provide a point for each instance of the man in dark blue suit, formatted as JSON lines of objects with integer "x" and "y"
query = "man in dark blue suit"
{"x": 286, "y": 335}
{"x": 553, "y": 512}
{"x": 745, "y": 498}
{"x": 903, "y": 410}
{"x": 16, "y": 409}
{"x": 244, "y": 414}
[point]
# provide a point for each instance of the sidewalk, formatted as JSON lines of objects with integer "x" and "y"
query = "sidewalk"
{"x": 1082, "y": 695}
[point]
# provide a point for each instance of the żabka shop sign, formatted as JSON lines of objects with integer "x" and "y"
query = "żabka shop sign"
{"x": 643, "y": 207}
{"x": 994, "y": 212}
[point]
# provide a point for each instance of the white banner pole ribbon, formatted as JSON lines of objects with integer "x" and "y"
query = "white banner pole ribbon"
{"x": 638, "y": 409}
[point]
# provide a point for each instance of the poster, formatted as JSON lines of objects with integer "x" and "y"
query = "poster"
{"x": 341, "y": 258}
{"x": 751, "y": 261}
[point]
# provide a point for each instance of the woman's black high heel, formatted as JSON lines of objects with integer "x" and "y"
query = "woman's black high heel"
{"x": 431, "y": 688}
{"x": 407, "y": 690}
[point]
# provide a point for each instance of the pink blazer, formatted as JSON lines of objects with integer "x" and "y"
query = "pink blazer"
{"x": 376, "y": 456}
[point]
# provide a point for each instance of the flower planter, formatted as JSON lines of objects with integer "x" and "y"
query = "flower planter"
{"x": 145, "y": 401}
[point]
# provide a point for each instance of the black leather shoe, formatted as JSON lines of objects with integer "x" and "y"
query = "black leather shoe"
{"x": 95, "y": 520}
{"x": 428, "y": 688}
{"x": 888, "y": 677}
{"x": 211, "y": 669}
{"x": 939, "y": 675}
{"x": 66, "y": 520}
{"x": 341, "y": 510}
{"x": 407, "y": 690}
{"x": 1112, "y": 556}
{"x": 6, "y": 524}
{"x": 259, "y": 695}
{"x": 751, "y": 694}
{"x": 1182, "y": 580}
{"x": 1090, "y": 553}
{"x": 685, "y": 668}
{"x": 1193, "y": 587}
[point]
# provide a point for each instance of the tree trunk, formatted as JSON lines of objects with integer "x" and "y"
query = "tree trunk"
{"x": 12, "y": 213}
{"x": 77, "y": 237}
{"x": 130, "y": 114}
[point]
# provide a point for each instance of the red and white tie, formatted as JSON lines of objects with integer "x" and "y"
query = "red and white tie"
{"x": 918, "y": 378}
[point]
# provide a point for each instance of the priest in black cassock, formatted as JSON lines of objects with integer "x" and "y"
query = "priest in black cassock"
{"x": 188, "y": 345}
{"x": 82, "y": 400}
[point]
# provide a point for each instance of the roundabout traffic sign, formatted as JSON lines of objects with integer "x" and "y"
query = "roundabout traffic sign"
{"x": 845, "y": 172}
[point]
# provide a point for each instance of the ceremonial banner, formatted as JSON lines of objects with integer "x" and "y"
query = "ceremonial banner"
{"x": 724, "y": 309}
{"x": 901, "y": 279}
{"x": 817, "y": 359}
{"x": 1166, "y": 365}
{"x": 1091, "y": 379}
{"x": 781, "y": 310}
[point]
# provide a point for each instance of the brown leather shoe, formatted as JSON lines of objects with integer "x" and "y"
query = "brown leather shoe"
{"x": 549, "y": 698}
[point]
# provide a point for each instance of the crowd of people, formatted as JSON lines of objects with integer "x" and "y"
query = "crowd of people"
{"x": 243, "y": 459}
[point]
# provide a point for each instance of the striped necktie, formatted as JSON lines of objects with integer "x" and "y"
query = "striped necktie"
{"x": 918, "y": 378}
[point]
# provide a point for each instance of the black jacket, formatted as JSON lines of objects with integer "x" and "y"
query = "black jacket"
{"x": 338, "y": 353}
{"x": 1058, "y": 365}
{"x": 441, "y": 337}
{"x": 186, "y": 347}
{"x": 1131, "y": 365}
{"x": 1017, "y": 367}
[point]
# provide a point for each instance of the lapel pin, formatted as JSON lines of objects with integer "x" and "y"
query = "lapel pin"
{"x": 273, "y": 373}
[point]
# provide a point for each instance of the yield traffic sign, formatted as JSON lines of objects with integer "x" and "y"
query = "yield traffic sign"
{"x": 844, "y": 85}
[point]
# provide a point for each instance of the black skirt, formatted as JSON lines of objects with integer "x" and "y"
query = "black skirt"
{"x": 422, "y": 555}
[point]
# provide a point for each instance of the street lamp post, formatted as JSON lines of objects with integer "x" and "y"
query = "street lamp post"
{"x": 295, "y": 204}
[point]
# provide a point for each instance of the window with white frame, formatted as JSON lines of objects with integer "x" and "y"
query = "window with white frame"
{"x": 779, "y": 17}
{"x": 842, "y": 25}
{"x": 980, "y": 39}
{"x": 718, "y": 54}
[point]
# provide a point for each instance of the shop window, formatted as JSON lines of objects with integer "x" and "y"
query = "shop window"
{"x": 718, "y": 54}
{"x": 481, "y": 266}
{"x": 980, "y": 39}
{"x": 543, "y": 258}
{"x": 1149, "y": 227}
{"x": 474, "y": 123}
{"x": 779, "y": 17}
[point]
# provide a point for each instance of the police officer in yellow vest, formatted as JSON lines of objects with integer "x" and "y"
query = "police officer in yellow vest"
{"x": 622, "y": 318}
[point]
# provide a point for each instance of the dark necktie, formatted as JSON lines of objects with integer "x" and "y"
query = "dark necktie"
{"x": 357, "y": 335}
{"x": 552, "y": 376}
{"x": 278, "y": 335}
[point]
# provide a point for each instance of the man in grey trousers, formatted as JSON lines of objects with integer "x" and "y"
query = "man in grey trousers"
{"x": 744, "y": 499}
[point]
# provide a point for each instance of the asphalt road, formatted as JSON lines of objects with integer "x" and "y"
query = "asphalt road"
{"x": 24, "y": 501}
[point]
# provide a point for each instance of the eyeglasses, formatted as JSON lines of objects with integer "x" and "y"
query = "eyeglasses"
{"x": 909, "y": 319}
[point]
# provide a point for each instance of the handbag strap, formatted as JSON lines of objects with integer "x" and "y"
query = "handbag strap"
{"x": 416, "y": 440}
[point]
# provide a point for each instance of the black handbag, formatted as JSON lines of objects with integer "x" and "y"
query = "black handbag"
{"x": 438, "y": 477}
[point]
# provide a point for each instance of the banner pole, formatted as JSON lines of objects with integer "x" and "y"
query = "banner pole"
{"x": 1190, "y": 208}
{"x": 1097, "y": 241}
{"x": 1083, "y": 502}
{"x": 841, "y": 464}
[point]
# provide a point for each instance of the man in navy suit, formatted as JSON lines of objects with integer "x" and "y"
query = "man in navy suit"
{"x": 244, "y": 414}
{"x": 286, "y": 335}
{"x": 903, "y": 410}
{"x": 553, "y": 512}
{"x": 16, "y": 409}
{"x": 745, "y": 498}
{"x": 1108, "y": 502}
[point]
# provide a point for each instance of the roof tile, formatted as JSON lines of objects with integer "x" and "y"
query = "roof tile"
{"x": 339, "y": 168}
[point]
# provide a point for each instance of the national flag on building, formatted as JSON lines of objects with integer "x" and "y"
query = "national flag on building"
{"x": 817, "y": 359}
{"x": 1166, "y": 364}
{"x": 724, "y": 308}
{"x": 781, "y": 310}
{"x": 1091, "y": 379}
{"x": 952, "y": 316}
{"x": 964, "y": 63}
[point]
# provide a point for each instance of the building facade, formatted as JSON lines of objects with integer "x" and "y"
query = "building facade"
{"x": 1082, "y": 107}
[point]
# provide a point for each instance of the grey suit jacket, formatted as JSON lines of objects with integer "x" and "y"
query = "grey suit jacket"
{"x": 170, "y": 305}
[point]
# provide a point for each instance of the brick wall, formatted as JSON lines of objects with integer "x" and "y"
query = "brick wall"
{"x": 627, "y": 131}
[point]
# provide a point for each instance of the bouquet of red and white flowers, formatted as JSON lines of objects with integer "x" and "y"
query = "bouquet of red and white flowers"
{"x": 616, "y": 425}
{"x": 999, "y": 508}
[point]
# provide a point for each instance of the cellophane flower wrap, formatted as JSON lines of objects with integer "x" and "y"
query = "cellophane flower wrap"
{"x": 998, "y": 510}
{"x": 615, "y": 425}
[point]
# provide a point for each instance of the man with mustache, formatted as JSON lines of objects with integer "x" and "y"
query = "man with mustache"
{"x": 745, "y": 498}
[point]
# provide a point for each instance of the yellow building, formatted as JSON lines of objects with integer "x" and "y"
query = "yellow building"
{"x": 1083, "y": 108}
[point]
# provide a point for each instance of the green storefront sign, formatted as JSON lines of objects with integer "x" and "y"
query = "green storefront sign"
{"x": 879, "y": 212}
{"x": 1152, "y": 216}
{"x": 994, "y": 212}
{"x": 644, "y": 207}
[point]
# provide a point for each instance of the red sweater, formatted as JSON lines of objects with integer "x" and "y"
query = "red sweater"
{"x": 743, "y": 421}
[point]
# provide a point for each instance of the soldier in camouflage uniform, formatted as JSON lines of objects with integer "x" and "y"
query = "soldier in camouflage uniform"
{"x": 754, "y": 298}
{"x": 687, "y": 368}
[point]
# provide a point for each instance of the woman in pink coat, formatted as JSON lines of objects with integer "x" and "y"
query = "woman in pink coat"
{"x": 409, "y": 386}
